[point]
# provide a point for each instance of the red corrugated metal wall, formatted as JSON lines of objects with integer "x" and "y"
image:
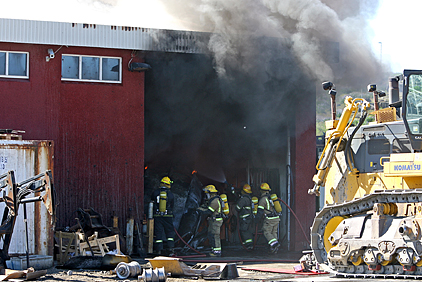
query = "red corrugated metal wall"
{"x": 98, "y": 130}
{"x": 303, "y": 166}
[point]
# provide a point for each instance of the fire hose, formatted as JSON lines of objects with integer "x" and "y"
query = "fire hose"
{"x": 256, "y": 227}
{"x": 189, "y": 246}
{"x": 238, "y": 231}
{"x": 301, "y": 227}
{"x": 222, "y": 260}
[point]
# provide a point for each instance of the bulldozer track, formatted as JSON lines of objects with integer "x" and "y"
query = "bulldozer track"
{"x": 417, "y": 276}
{"x": 355, "y": 207}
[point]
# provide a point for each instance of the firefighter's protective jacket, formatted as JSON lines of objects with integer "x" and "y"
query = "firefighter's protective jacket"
{"x": 213, "y": 207}
{"x": 244, "y": 206}
{"x": 266, "y": 208}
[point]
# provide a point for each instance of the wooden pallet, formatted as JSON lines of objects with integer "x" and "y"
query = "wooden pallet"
{"x": 74, "y": 244}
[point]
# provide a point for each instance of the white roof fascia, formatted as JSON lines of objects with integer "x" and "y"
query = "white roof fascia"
{"x": 102, "y": 36}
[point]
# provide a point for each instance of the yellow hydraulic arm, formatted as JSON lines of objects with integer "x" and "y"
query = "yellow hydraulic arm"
{"x": 334, "y": 142}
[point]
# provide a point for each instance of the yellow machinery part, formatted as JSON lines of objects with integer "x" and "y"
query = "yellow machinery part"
{"x": 389, "y": 208}
{"x": 386, "y": 262}
{"x": 356, "y": 261}
{"x": 329, "y": 229}
{"x": 386, "y": 208}
{"x": 114, "y": 260}
{"x": 419, "y": 263}
{"x": 171, "y": 265}
{"x": 393, "y": 208}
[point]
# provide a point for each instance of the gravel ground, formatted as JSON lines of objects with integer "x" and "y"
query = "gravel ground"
{"x": 286, "y": 261}
{"x": 54, "y": 274}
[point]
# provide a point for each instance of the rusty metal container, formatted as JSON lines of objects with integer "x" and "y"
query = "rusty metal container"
{"x": 28, "y": 158}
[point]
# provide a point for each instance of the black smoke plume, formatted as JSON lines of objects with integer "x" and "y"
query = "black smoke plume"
{"x": 237, "y": 103}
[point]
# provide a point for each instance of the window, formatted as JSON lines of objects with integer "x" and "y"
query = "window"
{"x": 92, "y": 68}
{"x": 379, "y": 146}
{"x": 402, "y": 146}
{"x": 14, "y": 64}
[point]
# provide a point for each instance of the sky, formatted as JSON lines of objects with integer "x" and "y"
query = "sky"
{"x": 391, "y": 26}
{"x": 395, "y": 34}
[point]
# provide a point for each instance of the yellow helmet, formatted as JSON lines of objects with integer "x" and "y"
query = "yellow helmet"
{"x": 166, "y": 180}
{"x": 210, "y": 189}
{"x": 247, "y": 188}
{"x": 265, "y": 186}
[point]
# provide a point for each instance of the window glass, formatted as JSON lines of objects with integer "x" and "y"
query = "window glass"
{"x": 91, "y": 68}
{"x": 379, "y": 147}
{"x": 414, "y": 104}
{"x": 111, "y": 69}
{"x": 2, "y": 63}
{"x": 17, "y": 64}
{"x": 70, "y": 67}
{"x": 402, "y": 146}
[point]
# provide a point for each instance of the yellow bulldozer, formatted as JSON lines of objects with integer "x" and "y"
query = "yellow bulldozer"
{"x": 370, "y": 177}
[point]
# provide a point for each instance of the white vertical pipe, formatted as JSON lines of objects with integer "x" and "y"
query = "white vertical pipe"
{"x": 288, "y": 173}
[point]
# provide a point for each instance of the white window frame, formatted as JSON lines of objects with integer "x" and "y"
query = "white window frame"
{"x": 7, "y": 65}
{"x": 100, "y": 70}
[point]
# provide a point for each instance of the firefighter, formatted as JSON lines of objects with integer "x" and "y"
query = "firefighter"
{"x": 213, "y": 209}
{"x": 244, "y": 208}
{"x": 266, "y": 209}
{"x": 163, "y": 200}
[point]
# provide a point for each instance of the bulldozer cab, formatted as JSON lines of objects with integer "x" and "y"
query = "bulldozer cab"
{"x": 412, "y": 107}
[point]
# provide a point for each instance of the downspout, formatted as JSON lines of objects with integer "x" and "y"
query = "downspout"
{"x": 289, "y": 177}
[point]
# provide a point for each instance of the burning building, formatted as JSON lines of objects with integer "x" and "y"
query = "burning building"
{"x": 255, "y": 127}
{"x": 125, "y": 106}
